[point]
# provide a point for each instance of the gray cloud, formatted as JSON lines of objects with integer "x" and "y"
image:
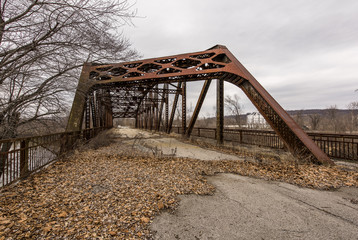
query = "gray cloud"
{"x": 305, "y": 53}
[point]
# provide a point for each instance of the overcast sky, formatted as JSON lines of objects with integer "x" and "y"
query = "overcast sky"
{"x": 304, "y": 52}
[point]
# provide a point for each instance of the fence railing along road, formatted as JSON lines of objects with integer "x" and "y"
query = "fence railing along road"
{"x": 19, "y": 157}
{"x": 340, "y": 146}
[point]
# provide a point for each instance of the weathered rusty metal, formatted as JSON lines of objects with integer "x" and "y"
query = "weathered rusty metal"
{"x": 87, "y": 113}
{"x": 166, "y": 94}
{"x": 78, "y": 107}
{"x": 139, "y": 77}
{"x": 93, "y": 111}
{"x": 174, "y": 107}
{"x": 219, "y": 111}
{"x": 23, "y": 156}
{"x": 338, "y": 146}
{"x": 183, "y": 107}
{"x": 160, "y": 112}
{"x": 199, "y": 103}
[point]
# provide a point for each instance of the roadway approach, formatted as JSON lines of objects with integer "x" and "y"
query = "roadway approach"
{"x": 250, "y": 208}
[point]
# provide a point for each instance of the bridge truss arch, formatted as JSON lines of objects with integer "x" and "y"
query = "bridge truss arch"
{"x": 131, "y": 90}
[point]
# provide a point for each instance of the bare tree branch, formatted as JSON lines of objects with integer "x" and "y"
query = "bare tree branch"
{"x": 43, "y": 44}
{"x": 235, "y": 108}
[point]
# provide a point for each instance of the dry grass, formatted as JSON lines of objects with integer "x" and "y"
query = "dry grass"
{"x": 249, "y": 152}
{"x": 103, "y": 139}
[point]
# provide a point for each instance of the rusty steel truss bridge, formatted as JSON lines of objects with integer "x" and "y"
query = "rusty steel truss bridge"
{"x": 140, "y": 90}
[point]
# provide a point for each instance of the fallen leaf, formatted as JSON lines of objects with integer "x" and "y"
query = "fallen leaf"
{"x": 23, "y": 216}
{"x": 5, "y": 222}
{"x": 47, "y": 229}
{"x": 160, "y": 205}
{"x": 145, "y": 219}
{"x": 62, "y": 214}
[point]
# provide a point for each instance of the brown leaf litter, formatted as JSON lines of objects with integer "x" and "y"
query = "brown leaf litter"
{"x": 114, "y": 193}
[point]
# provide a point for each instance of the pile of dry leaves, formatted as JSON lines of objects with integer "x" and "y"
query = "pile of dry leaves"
{"x": 112, "y": 193}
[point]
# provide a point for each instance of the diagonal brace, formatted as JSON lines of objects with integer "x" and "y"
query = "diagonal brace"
{"x": 200, "y": 102}
{"x": 172, "y": 114}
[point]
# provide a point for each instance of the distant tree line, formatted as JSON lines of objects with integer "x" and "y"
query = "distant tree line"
{"x": 330, "y": 119}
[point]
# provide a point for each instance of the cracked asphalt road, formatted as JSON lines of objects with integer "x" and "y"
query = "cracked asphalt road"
{"x": 249, "y": 208}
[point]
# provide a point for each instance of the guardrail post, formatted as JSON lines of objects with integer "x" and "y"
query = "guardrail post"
{"x": 24, "y": 158}
{"x": 64, "y": 142}
{"x": 4, "y": 152}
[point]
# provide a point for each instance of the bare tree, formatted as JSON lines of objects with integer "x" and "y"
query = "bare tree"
{"x": 189, "y": 111}
{"x": 332, "y": 113}
{"x": 233, "y": 105}
{"x": 299, "y": 118}
{"x": 315, "y": 120}
{"x": 43, "y": 45}
{"x": 353, "y": 121}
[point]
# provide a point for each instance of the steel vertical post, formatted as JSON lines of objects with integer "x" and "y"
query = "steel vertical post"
{"x": 172, "y": 114}
{"x": 24, "y": 158}
{"x": 98, "y": 110}
{"x": 88, "y": 112}
{"x": 156, "y": 110}
{"x": 219, "y": 111}
{"x": 166, "y": 89}
{"x": 183, "y": 107}
{"x": 151, "y": 110}
{"x": 160, "y": 111}
{"x": 145, "y": 114}
{"x": 93, "y": 110}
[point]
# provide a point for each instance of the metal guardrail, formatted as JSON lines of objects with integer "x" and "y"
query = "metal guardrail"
{"x": 340, "y": 146}
{"x": 19, "y": 157}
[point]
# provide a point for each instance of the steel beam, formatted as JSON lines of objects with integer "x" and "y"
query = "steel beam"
{"x": 174, "y": 107}
{"x": 98, "y": 107}
{"x": 183, "y": 107}
{"x": 93, "y": 110}
{"x": 78, "y": 106}
{"x": 151, "y": 111}
{"x": 295, "y": 139}
{"x": 88, "y": 114}
{"x": 156, "y": 112}
{"x": 200, "y": 102}
{"x": 166, "y": 106}
{"x": 219, "y": 111}
{"x": 160, "y": 112}
{"x": 215, "y": 63}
